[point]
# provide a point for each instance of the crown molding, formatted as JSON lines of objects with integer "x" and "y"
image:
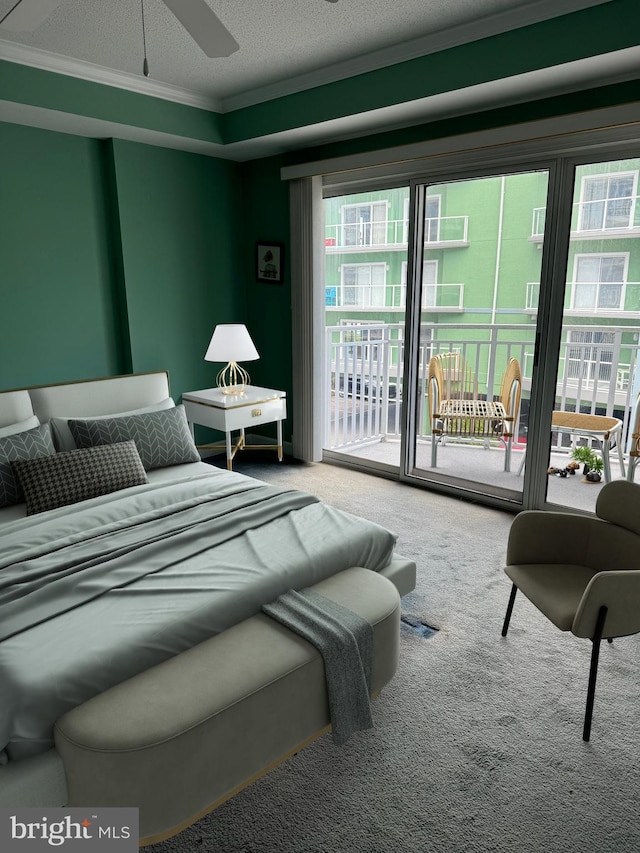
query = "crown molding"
{"x": 492, "y": 25}
{"x": 57, "y": 64}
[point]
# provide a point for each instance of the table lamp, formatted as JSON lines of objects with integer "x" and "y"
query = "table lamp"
{"x": 232, "y": 343}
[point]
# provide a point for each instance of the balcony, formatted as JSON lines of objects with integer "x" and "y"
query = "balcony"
{"x": 364, "y": 377}
{"x": 392, "y": 297}
{"x": 593, "y": 299}
{"x": 595, "y": 220}
{"x": 391, "y": 235}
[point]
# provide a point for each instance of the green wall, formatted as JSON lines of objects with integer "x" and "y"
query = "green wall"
{"x": 58, "y": 318}
{"x": 178, "y": 215}
{"x": 265, "y": 217}
{"x": 116, "y": 256}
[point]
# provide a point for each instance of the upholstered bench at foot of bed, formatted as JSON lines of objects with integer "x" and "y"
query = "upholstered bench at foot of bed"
{"x": 402, "y": 572}
{"x": 186, "y": 735}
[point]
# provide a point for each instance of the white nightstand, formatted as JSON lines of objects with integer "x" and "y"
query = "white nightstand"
{"x": 229, "y": 412}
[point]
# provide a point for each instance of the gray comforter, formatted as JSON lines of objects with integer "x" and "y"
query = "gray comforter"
{"x": 97, "y": 592}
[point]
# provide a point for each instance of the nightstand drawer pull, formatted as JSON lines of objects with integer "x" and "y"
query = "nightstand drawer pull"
{"x": 256, "y": 413}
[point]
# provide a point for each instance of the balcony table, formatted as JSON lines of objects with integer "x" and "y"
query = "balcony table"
{"x": 598, "y": 427}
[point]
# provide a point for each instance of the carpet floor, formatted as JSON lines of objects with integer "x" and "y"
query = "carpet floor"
{"x": 477, "y": 742}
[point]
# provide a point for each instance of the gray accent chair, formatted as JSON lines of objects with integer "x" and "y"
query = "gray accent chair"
{"x": 582, "y": 572}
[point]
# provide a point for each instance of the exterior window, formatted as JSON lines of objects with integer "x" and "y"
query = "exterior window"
{"x": 607, "y": 201}
{"x": 598, "y": 281}
{"x": 363, "y": 285}
{"x": 363, "y": 348}
{"x": 364, "y": 224}
{"x": 431, "y": 218}
{"x": 429, "y": 282}
{"x": 590, "y": 356}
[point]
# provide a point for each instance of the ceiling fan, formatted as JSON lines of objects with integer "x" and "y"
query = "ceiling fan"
{"x": 206, "y": 29}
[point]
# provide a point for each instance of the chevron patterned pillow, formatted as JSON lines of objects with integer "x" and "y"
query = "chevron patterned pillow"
{"x": 77, "y": 475}
{"x": 162, "y": 438}
{"x": 30, "y": 444}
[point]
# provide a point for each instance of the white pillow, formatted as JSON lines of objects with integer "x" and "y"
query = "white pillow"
{"x": 63, "y": 439}
{"x": 20, "y": 426}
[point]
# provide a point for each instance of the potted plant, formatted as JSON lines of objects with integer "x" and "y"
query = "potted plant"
{"x": 591, "y": 462}
{"x": 594, "y": 474}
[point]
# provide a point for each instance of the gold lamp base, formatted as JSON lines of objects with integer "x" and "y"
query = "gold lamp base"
{"x": 232, "y": 379}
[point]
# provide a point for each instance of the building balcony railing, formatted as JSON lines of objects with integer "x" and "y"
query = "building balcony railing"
{"x": 441, "y": 231}
{"x": 364, "y": 373}
{"x": 593, "y": 298}
{"x": 435, "y": 297}
{"x": 592, "y": 220}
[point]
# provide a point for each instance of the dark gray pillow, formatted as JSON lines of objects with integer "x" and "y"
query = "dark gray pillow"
{"x": 77, "y": 475}
{"x": 162, "y": 438}
{"x": 30, "y": 444}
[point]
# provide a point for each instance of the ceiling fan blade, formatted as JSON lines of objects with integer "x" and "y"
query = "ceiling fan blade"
{"x": 29, "y": 14}
{"x": 204, "y": 27}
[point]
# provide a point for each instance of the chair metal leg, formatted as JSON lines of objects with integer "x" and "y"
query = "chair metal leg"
{"x": 606, "y": 446}
{"x": 507, "y": 455}
{"x": 507, "y": 616}
{"x": 593, "y": 672}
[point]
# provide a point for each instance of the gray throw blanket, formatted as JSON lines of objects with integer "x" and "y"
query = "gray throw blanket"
{"x": 345, "y": 641}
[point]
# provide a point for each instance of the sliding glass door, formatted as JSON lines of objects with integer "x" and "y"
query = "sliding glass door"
{"x": 598, "y": 373}
{"x": 474, "y": 312}
{"x": 482, "y": 328}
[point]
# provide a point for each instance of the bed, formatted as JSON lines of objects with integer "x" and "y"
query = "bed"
{"x": 136, "y": 666}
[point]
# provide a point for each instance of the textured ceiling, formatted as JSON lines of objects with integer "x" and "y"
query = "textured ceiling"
{"x": 281, "y": 41}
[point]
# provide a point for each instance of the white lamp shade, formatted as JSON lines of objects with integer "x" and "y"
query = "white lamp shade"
{"x": 231, "y": 342}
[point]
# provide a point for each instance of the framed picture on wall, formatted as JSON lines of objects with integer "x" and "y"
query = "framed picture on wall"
{"x": 270, "y": 262}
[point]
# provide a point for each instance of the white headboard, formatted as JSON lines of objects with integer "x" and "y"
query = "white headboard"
{"x": 84, "y": 398}
{"x": 15, "y": 406}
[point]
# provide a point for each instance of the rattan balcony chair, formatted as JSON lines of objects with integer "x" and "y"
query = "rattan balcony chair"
{"x": 455, "y": 408}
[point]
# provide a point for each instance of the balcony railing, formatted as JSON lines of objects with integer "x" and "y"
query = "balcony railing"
{"x": 435, "y": 297}
{"x": 364, "y": 373}
{"x": 602, "y": 298}
{"x": 616, "y": 217}
{"x": 607, "y": 214}
{"x": 393, "y": 233}
{"x": 539, "y": 219}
